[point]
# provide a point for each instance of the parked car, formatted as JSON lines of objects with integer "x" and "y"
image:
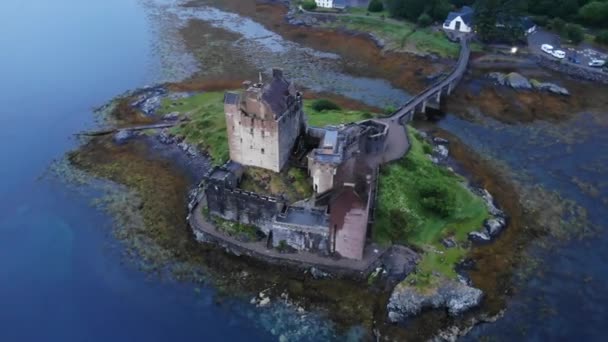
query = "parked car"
{"x": 547, "y": 48}
{"x": 598, "y": 63}
{"x": 559, "y": 54}
{"x": 574, "y": 59}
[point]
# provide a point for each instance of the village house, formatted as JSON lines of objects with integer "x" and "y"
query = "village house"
{"x": 460, "y": 21}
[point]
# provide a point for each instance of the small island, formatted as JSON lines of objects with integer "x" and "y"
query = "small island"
{"x": 307, "y": 184}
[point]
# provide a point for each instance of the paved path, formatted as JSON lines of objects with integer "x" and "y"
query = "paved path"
{"x": 371, "y": 254}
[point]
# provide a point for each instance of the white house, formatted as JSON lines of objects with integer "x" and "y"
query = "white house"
{"x": 325, "y": 3}
{"x": 338, "y": 4}
{"x": 460, "y": 21}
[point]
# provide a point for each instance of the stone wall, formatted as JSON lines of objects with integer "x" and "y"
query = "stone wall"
{"x": 298, "y": 238}
{"x": 253, "y": 141}
{"x": 574, "y": 71}
{"x": 290, "y": 126}
{"x": 242, "y": 206}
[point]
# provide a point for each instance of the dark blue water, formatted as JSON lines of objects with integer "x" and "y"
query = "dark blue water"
{"x": 60, "y": 277}
{"x": 566, "y": 298}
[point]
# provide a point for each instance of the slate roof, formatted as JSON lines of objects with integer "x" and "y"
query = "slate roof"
{"x": 275, "y": 95}
{"x": 466, "y": 13}
{"x": 231, "y": 98}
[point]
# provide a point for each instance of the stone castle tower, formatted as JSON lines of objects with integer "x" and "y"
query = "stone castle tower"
{"x": 264, "y": 122}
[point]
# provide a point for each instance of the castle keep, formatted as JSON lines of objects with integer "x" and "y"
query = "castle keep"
{"x": 264, "y": 122}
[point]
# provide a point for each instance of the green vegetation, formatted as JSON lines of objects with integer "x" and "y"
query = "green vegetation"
{"x": 420, "y": 203}
{"x": 207, "y": 126}
{"x": 309, "y": 5}
{"x": 399, "y": 34}
{"x": 292, "y": 183}
{"x": 321, "y": 105}
{"x": 375, "y": 6}
{"x": 235, "y": 229}
{"x": 333, "y": 117}
{"x": 602, "y": 37}
{"x": 424, "y": 20}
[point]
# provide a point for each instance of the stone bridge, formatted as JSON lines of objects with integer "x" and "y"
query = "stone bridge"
{"x": 397, "y": 142}
{"x": 432, "y": 94}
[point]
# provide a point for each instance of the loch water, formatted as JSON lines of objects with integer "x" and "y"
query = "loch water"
{"x": 62, "y": 277}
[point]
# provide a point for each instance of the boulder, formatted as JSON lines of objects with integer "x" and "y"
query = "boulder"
{"x": 407, "y": 301}
{"x": 165, "y": 137}
{"x": 171, "y": 116}
{"x": 440, "y": 141}
{"x": 441, "y": 151}
{"x": 553, "y": 88}
{"x": 122, "y": 136}
{"x": 517, "y": 81}
{"x": 494, "y": 226}
{"x": 318, "y": 274}
{"x": 449, "y": 242}
{"x": 479, "y": 236}
{"x": 499, "y": 77}
{"x": 399, "y": 261}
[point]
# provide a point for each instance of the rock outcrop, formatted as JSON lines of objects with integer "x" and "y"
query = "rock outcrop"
{"x": 518, "y": 81}
{"x": 493, "y": 226}
{"x": 407, "y": 301}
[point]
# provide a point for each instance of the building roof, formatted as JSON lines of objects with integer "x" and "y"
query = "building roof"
{"x": 466, "y": 13}
{"x": 231, "y": 98}
{"x": 308, "y": 217}
{"x": 339, "y": 3}
{"x": 276, "y": 93}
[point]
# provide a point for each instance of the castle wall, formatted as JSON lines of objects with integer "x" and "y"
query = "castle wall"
{"x": 289, "y": 129}
{"x": 350, "y": 239}
{"x": 299, "y": 238}
{"x": 322, "y": 176}
{"x": 253, "y": 141}
{"x": 242, "y": 206}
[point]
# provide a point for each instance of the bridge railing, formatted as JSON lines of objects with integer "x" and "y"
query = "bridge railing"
{"x": 457, "y": 72}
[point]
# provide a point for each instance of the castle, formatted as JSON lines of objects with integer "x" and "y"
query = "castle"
{"x": 264, "y": 122}
{"x": 266, "y": 128}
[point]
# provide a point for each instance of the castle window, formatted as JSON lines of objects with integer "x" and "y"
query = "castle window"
{"x": 251, "y": 131}
{"x": 262, "y": 151}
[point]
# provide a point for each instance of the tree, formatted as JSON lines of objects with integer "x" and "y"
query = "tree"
{"x": 439, "y": 9}
{"x": 595, "y": 13}
{"x": 309, "y": 5}
{"x": 375, "y": 6}
{"x": 574, "y": 33}
{"x": 424, "y": 20}
{"x": 409, "y": 9}
{"x": 602, "y": 37}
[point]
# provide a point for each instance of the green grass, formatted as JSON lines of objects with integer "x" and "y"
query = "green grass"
{"x": 333, "y": 117}
{"x": 402, "y": 218}
{"x": 206, "y": 128}
{"x": 236, "y": 229}
{"x": 292, "y": 183}
{"x": 400, "y": 34}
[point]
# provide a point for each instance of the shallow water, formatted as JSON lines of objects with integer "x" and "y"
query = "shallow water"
{"x": 61, "y": 270}
{"x": 62, "y": 274}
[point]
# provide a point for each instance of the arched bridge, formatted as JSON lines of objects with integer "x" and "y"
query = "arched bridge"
{"x": 444, "y": 86}
{"x": 397, "y": 143}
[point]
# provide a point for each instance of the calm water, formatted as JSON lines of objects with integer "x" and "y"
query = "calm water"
{"x": 61, "y": 277}
{"x": 59, "y": 280}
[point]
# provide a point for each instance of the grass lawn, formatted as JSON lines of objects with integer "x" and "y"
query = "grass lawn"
{"x": 292, "y": 183}
{"x": 402, "y": 217}
{"x": 333, "y": 117}
{"x": 207, "y": 126}
{"x": 399, "y": 34}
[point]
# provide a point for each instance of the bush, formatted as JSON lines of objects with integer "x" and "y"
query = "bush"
{"x": 424, "y": 20}
{"x": 324, "y": 104}
{"x": 602, "y": 37}
{"x": 574, "y": 33}
{"x": 437, "y": 198}
{"x": 309, "y": 5}
{"x": 557, "y": 24}
{"x": 390, "y": 109}
{"x": 375, "y": 6}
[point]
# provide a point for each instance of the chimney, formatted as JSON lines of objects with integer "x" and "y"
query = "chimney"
{"x": 277, "y": 73}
